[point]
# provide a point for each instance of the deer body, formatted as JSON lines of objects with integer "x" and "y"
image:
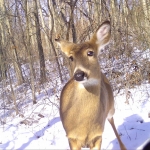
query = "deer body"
{"x": 84, "y": 110}
{"x": 87, "y": 99}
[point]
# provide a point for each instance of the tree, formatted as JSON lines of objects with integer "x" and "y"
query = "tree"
{"x": 27, "y": 45}
{"x": 39, "y": 43}
{"x": 13, "y": 46}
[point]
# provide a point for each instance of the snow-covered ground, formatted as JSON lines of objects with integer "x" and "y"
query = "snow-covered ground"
{"x": 40, "y": 127}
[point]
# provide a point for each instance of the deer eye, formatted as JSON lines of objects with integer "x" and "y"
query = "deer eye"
{"x": 90, "y": 53}
{"x": 71, "y": 58}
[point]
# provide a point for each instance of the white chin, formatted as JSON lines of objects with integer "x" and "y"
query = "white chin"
{"x": 90, "y": 81}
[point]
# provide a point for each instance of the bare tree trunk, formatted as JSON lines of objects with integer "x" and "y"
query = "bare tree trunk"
{"x": 13, "y": 94}
{"x": 39, "y": 43}
{"x": 15, "y": 59}
{"x": 71, "y": 21}
{"x": 145, "y": 9}
{"x": 43, "y": 25}
{"x": 28, "y": 48}
{"x": 3, "y": 68}
{"x": 52, "y": 28}
{"x": 113, "y": 12}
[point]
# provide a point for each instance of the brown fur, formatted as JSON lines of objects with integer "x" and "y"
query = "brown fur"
{"x": 84, "y": 106}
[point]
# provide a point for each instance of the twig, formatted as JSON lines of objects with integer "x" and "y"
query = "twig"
{"x": 127, "y": 132}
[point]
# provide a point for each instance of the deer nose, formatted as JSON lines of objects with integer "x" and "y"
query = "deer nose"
{"x": 79, "y": 76}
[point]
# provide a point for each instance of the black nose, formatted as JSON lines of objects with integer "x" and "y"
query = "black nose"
{"x": 79, "y": 76}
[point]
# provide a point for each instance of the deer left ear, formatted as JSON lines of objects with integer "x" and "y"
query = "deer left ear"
{"x": 103, "y": 34}
{"x": 65, "y": 46}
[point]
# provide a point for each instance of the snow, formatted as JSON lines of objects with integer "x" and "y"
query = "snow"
{"x": 40, "y": 127}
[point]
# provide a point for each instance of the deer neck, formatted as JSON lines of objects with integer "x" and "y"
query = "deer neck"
{"x": 92, "y": 86}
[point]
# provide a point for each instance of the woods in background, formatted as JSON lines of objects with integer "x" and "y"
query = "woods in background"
{"x": 28, "y": 29}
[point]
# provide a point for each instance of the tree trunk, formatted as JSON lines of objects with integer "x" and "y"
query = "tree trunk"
{"x": 3, "y": 68}
{"x": 43, "y": 26}
{"x": 13, "y": 94}
{"x": 39, "y": 44}
{"x": 71, "y": 21}
{"x": 28, "y": 48}
{"x": 15, "y": 58}
{"x": 50, "y": 38}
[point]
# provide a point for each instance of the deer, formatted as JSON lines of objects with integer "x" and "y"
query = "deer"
{"x": 86, "y": 101}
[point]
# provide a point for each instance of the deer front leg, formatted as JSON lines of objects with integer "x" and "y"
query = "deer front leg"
{"x": 96, "y": 144}
{"x": 74, "y": 144}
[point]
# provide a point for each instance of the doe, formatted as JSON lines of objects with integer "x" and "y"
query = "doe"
{"x": 87, "y": 99}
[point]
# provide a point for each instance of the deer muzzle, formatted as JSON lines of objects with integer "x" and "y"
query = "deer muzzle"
{"x": 80, "y": 75}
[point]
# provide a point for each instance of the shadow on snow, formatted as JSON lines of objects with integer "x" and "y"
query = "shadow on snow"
{"x": 134, "y": 132}
{"x": 38, "y": 134}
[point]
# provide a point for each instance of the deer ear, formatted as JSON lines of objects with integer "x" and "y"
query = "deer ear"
{"x": 103, "y": 34}
{"x": 65, "y": 46}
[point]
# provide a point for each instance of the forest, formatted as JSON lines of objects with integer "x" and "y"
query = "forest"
{"x": 31, "y": 62}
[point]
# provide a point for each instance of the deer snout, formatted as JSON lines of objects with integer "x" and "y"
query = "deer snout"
{"x": 79, "y": 75}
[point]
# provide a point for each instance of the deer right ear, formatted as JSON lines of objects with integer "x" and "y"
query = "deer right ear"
{"x": 103, "y": 34}
{"x": 65, "y": 46}
{"x": 58, "y": 41}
